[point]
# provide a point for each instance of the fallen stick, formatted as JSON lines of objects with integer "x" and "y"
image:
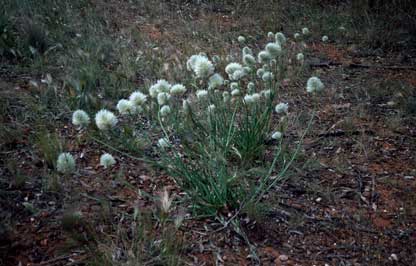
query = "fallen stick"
{"x": 325, "y": 64}
{"x": 353, "y": 65}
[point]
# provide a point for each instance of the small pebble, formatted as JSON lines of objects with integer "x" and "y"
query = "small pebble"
{"x": 409, "y": 177}
{"x": 283, "y": 258}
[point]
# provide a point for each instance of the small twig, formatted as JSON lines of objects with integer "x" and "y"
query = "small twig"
{"x": 325, "y": 64}
{"x": 340, "y": 133}
{"x": 54, "y": 260}
{"x": 353, "y": 65}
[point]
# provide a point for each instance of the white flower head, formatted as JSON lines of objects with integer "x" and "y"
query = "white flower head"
{"x": 300, "y": 57}
{"x": 165, "y": 110}
{"x": 235, "y": 92}
{"x": 80, "y": 118}
{"x": 256, "y": 97}
{"x": 266, "y": 93}
{"x": 251, "y": 87}
{"x": 125, "y": 107}
{"x": 160, "y": 86}
{"x": 153, "y": 91}
{"x": 177, "y": 89}
{"x": 264, "y": 57}
{"x": 325, "y": 38}
{"x": 248, "y": 99}
{"x": 281, "y": 108}
{"x": 314, "y": 84}
{"x": 238, "y": 74}
{"x": 163, "y": 143}
{"x": 163, "y": 98}
{"x": 211, "y": 108}
{"x": 163, "y": 86}
{"x": 107, "y": 160}
{"x": 280, "y": 38}
{"x": 305, "y": 31}
{"x": 231, "y": 68}
{"x": 226, "y": 96}
{"x": 241, "y": 39}
{"x": 105, "y": 119}
{"x": 247, "y": 50}
{"x": 137, "y": 98}
{"x": 270, "y": 35}
{"x": 260, "y": 72}
{"x": 201, "y": 94}
{"x": 274, "y": 49}
{"x": 215, "y": 81}
{"x": 190, "y": 64}
{"x": 249, "y": 60}
{"x": 234, "y": 85}
{"x": 203, "y": 68}
{"x": 296, "y": 35}
{"x": 267, "y": 76}
{"x": 65, "y": 163}
{"x": 277, "y": 135}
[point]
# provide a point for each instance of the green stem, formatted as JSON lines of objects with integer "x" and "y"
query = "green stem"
{"x": 121, "y": 152}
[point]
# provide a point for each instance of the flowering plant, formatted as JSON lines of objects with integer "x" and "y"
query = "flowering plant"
{"x": 217, "y": 125}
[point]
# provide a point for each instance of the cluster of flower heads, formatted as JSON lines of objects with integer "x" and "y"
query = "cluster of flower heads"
{"x": 260, "y": 66}
{"x": 65, "y": 163}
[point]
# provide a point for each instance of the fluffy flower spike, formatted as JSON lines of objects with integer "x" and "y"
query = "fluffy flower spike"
{"x": 125, "y": 107}
{"x": 105, "y": 120}
{"x": 138, "y": 98}
{"x": 300, "y": 57}
{"x": 215, "y": 81}
{"x": 277, "y": 135}
{"x": 280, "y": 38}
{"x": 165, "y": 110}
{"x": 80, "y": 118}
{"x": 65, "y": 163}
{"x": 281, "y": 108}
{"x": 314, "y": 84}
{"x": 107, "y": 160}
{"x": 177, "y": 89}
{"x": 264, "y": 57}
{"x": 274, "y": 49}
{"x": 201, "y": 66}
{"x": 201, "y": 94}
